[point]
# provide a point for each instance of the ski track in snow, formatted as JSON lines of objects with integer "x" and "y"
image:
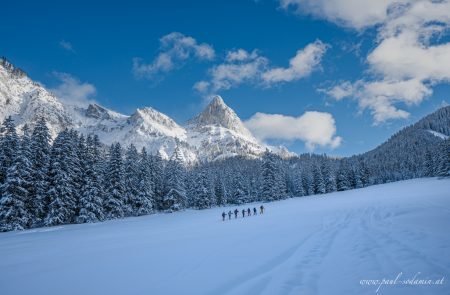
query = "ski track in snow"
{"x": 311, "y": 245}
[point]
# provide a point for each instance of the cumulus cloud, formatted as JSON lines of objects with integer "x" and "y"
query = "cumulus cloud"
{"x": 410, "y": 56}
{"x": 72, "y": 91}
{"x": 241, "y": 66}
{"x": 380, "y": 97}
{"x": 300, "y": 66}
{"x": 314, "y": 128}
{"x": 175, "y": 50}
{"x": 357, "y": 14}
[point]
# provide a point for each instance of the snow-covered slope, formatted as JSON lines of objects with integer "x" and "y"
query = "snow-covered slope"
{"x": 215, "y": 133}
{"x": 218, "y": 132}
{"x": 326, "y": 244}
{"x": 26, "y": 101}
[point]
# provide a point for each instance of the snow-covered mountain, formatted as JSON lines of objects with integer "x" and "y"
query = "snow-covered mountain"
{"x": 218, "y": 132}
{"x": 215, "y": 133}
{"x": 26, "y": 101}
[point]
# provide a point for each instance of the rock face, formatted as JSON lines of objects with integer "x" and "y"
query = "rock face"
{"x": 215, "y": 133}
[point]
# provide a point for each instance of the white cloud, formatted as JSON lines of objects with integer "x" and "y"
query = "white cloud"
{"x": 410, "y": 54}
{"x": 66, "y": 45}
{"x": 72, "y": 91}
{"x": 240, "y": 55}
{"x": 175, "y": 49}
{"x": 241, "y": 66}
{"x": 357, "y": 14}
{"x": 314, "y": 128}
{"x": 381, "y": 96}
{"x": 301, "y": 65}
{"x": 232, "y": 74}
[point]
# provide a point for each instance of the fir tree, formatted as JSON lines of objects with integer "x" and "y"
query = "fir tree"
{"x": 342, "y": 182}
{"x": 91, "y": 199}
{"x": 16, "y": 190}
{"x": 201, "y": 194}
{"x": 175, "y": 197}
{"x": 131, "y": 165}
{"x": 114, "y": 184}
{"x": 318, "y": 182}
{"x": 144, "y": 203}
{"x": 40, "y": 146}
{"x": 62, "y": 181}
{"x": 8, "y": 146}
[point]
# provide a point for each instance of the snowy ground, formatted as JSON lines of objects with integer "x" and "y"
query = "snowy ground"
{"x": 312, "y": 245}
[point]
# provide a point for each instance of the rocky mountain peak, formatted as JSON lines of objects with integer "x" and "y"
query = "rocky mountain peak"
{"x": 10, "y": 68}
{"x": 217, "y": 113}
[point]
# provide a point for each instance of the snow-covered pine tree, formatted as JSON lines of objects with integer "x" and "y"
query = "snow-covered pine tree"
{"x": 15, "y": 191}
{"x": 114, "y": 184}
{"x": 157, "y": 176}
{"x": 175, "y": 197}
{"x": 318, "y": 182}
{"x": 307, "y": 181}
{"x": 131, "y": 169}
{"x": 144, "y": 202}
{"x": 270, "y": 178}
{"x": 8, "y": 146}
{"x": 328, "y": 176}
{"x": 91, "y": 198}
{"x": 342, "y": 182}
{"x": 297, "y": 184}
{"x": 238, "y": 195}
{"x": 62, "y": 180}
{"x": 444, "y": 159}
{"x": 201, "y": 194}
{"x": 219, "y": 191}
{"x": 365, "y": 173}
{"x": 40, "y": 146}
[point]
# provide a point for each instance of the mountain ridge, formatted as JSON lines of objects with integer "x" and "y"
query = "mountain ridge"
{"x": 216, "y": 132}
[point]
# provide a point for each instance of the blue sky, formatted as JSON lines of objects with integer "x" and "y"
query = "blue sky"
{"x": 371, "y": 69}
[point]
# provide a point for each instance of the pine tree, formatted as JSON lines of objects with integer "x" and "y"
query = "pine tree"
{"x": 91, "y": 199}
{"x": 62, "y": 180}
{"x": 342, "y": 182}
{"x": 16, "y": 190}
{"x": 238, "y": 195}
{"x": 201, "y": 194}
{"x": 40, "y": 146}
{"x": 144, "y": 203}
{"x": 8, "y": 146}
{"x": 175, "y": 197}
{"x": 131, "y": 165}
{"x": 157, "y": 176}
{"x": 219, "y": 191}
{"x": 270, "y": 186}
{"x": 297, "y": 183}
{"x": 114, "y": 184}
{"x": 318, "y": 182}
{"x": 444, "y": 159}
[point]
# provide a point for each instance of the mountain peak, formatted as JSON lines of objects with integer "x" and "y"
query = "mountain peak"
{"x": 217, "y": 113}
{"x": 218, "y": 101}
{"x": 8, "y": 66}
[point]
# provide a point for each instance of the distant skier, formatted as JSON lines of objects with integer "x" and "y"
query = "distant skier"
{"x": 255, "y": 211}
{"x": 236, "y": 211}
{"x": 243, "y": 212}
{"x": 261, "y": 209}
{"x": 249, "y": 212}
{"x": 229, "y": 215}
{"x": 223, "y": 216}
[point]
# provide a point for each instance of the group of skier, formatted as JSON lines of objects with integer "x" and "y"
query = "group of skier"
{"x": 249, "y": 212}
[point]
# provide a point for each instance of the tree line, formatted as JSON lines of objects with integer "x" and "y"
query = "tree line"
{"x": 76, "y": 179}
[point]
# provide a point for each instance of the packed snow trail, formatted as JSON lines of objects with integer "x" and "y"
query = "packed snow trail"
{"x": 325, "y": 244}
